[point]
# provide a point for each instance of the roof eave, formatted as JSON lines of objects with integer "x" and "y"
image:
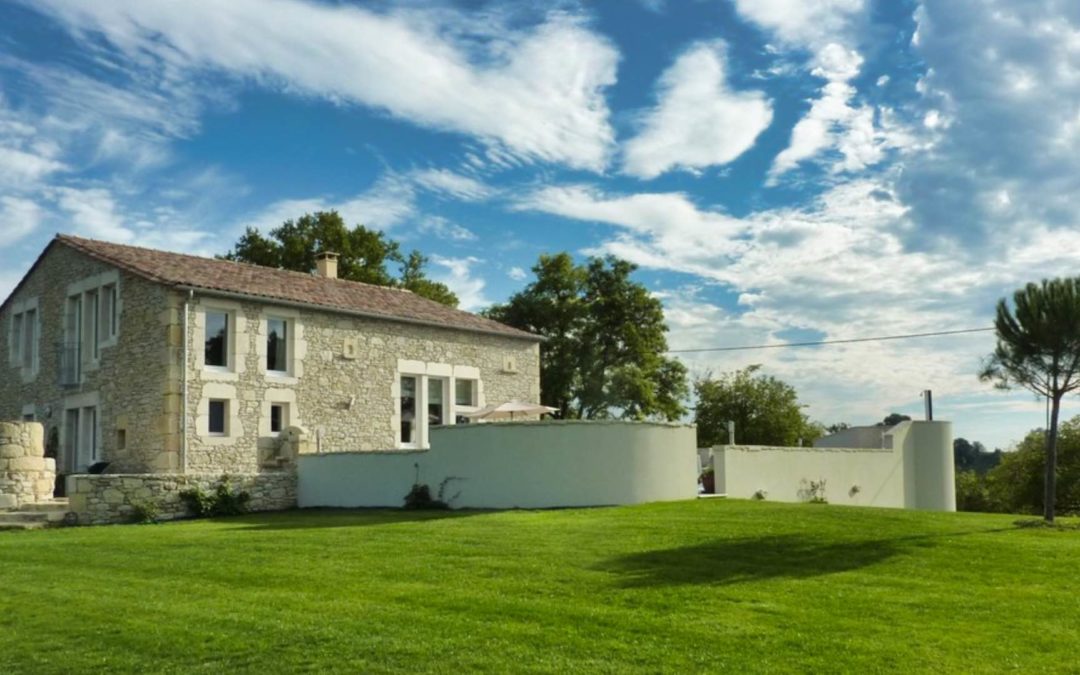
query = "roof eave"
{"x": 519, "y": 335}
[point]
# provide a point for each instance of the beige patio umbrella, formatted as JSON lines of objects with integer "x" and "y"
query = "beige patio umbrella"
{"x": 507, "y": 411}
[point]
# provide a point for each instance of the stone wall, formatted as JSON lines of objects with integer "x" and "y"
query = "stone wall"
{"x": 138, "y": 416}
{"x": 111, "y": 498}
{"x": 26, "y": 475}
{"x": 342, "y": 384}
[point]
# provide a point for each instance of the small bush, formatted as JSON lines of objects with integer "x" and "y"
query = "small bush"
{"x": 144, "y": 512}
{"x": 760, "y": 495}
{"x": 973, "y": 493}
{"x": 223, "y": 501}
{"x": 813, "y": 492}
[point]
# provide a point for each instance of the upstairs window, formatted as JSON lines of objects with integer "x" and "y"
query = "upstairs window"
{"x": 23, "y": 337}
{"x": 108, "y": 325}
{"x": 217, "y": 339}
{"x": 277, "y": 345}
{"x": 29, "y": 339}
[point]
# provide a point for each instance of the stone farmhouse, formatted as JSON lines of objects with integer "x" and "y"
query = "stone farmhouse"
{"x": 161, "y": 363}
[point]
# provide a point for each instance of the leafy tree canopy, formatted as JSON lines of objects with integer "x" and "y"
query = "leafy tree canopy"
{"x": 606, "y": 338}
{"x": 892, "y": 419}
{"x": 766, "y": 411}
{"x": 1038, "y": 348}
{"x": 365, "y": 255}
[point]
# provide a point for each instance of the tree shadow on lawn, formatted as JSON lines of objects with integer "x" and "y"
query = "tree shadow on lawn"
{"x": 732, "y": 561}
{"x": 304, "y": 519}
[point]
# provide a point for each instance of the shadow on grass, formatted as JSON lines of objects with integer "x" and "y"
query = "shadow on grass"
{"x": 732, "y": 561}
{"x": 306, "y": 519}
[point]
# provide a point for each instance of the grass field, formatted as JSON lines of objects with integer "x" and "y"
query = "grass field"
{"x": 679, "y": 587}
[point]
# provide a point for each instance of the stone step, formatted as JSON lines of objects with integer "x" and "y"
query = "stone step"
{"x": 12, "y": 517}
{"x": 22, "y": 526}
{"x": 60, "y": 505}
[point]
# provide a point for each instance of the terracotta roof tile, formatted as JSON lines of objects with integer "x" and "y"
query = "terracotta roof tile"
{"x": 210, "y": 274}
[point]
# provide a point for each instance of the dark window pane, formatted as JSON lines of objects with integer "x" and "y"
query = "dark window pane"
{"x": 217, "y": 417}
{"x": 276, "y": 345}
{"x": 217, "y": 339}
{"x": 463, "y": 392}
{"x": 276, "y": 418}
{"x": 435, "y": 401}
{"x": 408, "y": 409}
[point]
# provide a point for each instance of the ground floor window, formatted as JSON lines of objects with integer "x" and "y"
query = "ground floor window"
{"x": 425, "y": 401}
{"x": 407, "y": 404}
{"x": 81, "y": 435}
{"x": 218, "y": 416}
{"x": 279, "y": 417}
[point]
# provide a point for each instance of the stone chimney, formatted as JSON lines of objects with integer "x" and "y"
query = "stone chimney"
{"x": 326, "y": 264}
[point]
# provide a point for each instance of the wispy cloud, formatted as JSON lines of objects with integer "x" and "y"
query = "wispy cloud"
{"x": 535, "y": 93}
{"x": 698, "y": 120}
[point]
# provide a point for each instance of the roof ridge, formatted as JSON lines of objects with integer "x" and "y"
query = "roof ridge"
{"x": 269, "y": 284}
{"x": 70, "y": 238}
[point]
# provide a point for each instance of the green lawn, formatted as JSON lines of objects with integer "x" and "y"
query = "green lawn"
{"x": 679, "y": 587}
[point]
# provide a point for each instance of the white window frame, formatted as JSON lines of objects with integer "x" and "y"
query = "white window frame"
{"x": 86, "y": 449}
{"x": 295, "y": 345}
{"x": 99, "y": 321}
{"x": 424, "y": 372}
{"x": 24, "y": 338}
{"x": 236, "y": 347}
{"x": 216, "y": 391}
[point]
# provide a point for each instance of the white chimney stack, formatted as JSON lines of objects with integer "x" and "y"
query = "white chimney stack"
{"x": 326, "y": 264}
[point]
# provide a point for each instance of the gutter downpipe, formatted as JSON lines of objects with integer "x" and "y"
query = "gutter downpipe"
{"x": 184, "y": 377}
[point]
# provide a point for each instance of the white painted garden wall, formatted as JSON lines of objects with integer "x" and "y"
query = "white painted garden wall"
{"x": 516, "y": 465}
{"x": 913, "y": 470}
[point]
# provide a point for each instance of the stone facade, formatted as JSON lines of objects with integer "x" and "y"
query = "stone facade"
{"x": 104, "y": 499}
{"x": 26, "y": 475}
{"x": 126, "y": 384}
{"x": 342, "y": 383}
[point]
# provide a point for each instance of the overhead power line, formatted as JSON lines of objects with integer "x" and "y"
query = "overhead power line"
{"x": 879, "y": 338}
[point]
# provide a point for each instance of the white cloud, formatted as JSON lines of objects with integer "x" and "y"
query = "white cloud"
{"x": 459, "y": 277}
{"x": 93, "y": 212}
{"x": 388, "y": 203}
{"x": 806, "y": 23}
{"x": 837, "y": 267}
{"x": 697, "y": 122}
{"x": 18, "y": 218}
{"x": 449, "y": 183}
{"x": 828, "y": 30}
{"x": 995, "y": 133}
{"x": 443, "y": 228}
{"x": 517, "y": 273}
{"x": 537, "y": 93}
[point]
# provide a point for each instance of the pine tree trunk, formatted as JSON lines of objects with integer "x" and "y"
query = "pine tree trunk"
{"x": 1050, "y": 492}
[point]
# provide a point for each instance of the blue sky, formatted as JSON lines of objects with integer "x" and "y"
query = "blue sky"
{"x": 780, "y": 169}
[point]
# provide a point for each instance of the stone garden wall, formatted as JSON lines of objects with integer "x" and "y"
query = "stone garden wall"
{"x": 112, "y": 498}
{"x": 26, "y": 475}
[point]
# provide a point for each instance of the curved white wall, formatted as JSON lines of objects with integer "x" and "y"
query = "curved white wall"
{"x": 516, "y": 465}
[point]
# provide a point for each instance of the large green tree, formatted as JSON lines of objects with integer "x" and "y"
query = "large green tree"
{"x": 606, "y": 339}
{"x": 766, "y": 410}
{"x": 1038, "y": 349}
{"x": 365, "y": 255}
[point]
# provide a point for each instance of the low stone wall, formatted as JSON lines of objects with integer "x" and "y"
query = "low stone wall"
{"x": 112, "y": 498}
{"x": 27, "y": 476}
